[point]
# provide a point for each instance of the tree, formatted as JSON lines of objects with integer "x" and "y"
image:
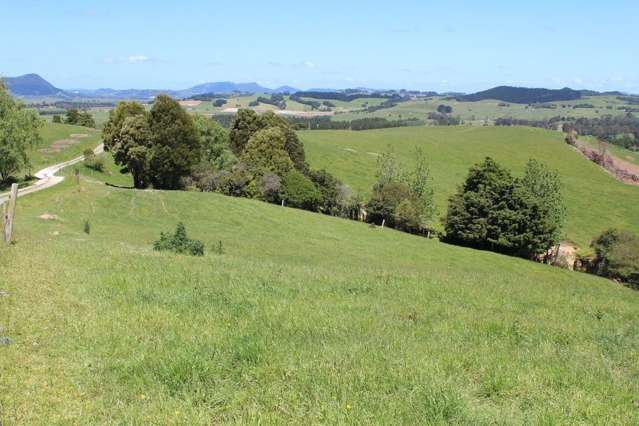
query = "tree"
{"x": 19, "y": 131}
{"x": 407, "y": 217}
{"x": 113, "y": 126}
{"x": 128, "y": 136}
{"x": 246, "y": 124}
{"x": 299, "y": 191}
{"x": 72, "y": 116}
{"x": 617, "y": 255}
{"x": 411, "y": 185}
{"x": 493, "y": 210}
{"x": 419, "y": 184}
{"x": 214, "y": 140}
{"x": 265, "y": 153}
{"x": 293, "y": 145}
{"x": 486, "y": 211}
{"x": 57, "y": 119}
{"x": 175, "y": 143}
{"x": 385, "y": 200}
{"x": 544, "y": 185}
{"x": 328, "y": 187}
{"x": 132, "y": 149}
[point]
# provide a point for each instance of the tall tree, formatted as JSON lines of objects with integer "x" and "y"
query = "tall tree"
{"x": 18, "y": 133}
{"x": 265, "y": 153}
{"x": 175, "y": 143}
{"x": 214, "y": 141}
{"x": 246, "y": 123}
{"x": 128, "y": 136}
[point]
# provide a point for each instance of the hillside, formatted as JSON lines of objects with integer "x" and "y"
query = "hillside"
{"x": 303, "y": 319}
{"x": 524, "y": 95}
{"x": 595, "y": 200}
{"x": 32, "y": 85}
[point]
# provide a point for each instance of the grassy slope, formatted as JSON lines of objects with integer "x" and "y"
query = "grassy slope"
{"x": 54, "y": 132}
{"x": 305, "y": 318}
{"x": 594, "y": 199}
{"x": 490, "y": 109}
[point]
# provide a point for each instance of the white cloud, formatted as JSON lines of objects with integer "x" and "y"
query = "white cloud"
{"x": 138, "y": 59}
{"x": 309, "y": 64}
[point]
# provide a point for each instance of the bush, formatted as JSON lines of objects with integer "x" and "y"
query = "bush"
{"x": 92, "y": 161}
{"x": 617, "y": 256}
{"x": 179, "y": 243}
{"x": 299, "y": 191}
{"x": 385, "y": 200}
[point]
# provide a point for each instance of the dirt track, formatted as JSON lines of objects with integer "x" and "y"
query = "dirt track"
{"x": 47, "y": 176}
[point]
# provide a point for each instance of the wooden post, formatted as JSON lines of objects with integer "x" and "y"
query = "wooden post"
{"x": 10, "y": 212}
{"x": 383, "y": 223}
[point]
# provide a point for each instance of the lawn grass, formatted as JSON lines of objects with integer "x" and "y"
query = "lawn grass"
{"x": 303, "y": 319}
{"x": 595, "y": 200}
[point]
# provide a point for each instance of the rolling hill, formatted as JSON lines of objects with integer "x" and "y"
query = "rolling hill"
{"x": 594, "y": 199}
{"x": 523, "y": 95}
{"x": 304, "y": 318}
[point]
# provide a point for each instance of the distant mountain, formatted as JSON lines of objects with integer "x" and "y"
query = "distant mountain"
{"x": 286, "y": 89}
{"x": 523, "y": 95}
{"x": 32, "y": 85}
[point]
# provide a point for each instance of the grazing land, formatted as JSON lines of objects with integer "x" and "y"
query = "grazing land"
{"x": 304, "y": 318}
{"x": 595, "y": 201}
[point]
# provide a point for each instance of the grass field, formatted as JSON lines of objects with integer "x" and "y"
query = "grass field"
{"x": 303, "y": 319}
{"x": 59, "y": 142}
{"x": 489, "y": 110}
{"x": 594, "y": 199}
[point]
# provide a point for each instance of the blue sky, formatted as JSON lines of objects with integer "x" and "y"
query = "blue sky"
{"x": 429, "y": 45}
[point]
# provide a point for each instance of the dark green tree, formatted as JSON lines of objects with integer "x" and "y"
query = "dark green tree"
{"x": 246, "y": 124}
{"x": 128, "y": 137}
{"x": 299, "y": 191}
{"x": 492, "y": 210}
{"x": 175, "y": 143}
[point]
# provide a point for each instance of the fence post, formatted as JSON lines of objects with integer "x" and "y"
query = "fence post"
{"x": 10, "y": 212}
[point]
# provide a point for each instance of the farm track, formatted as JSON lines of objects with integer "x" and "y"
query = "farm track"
{"x": 47, "y": 176}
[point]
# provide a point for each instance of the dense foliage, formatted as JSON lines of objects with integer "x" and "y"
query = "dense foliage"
{"x": 618, "y": 130}
{"x": 369, "y": 123}
{"x": 617, "y": 256}
{"x": 179, "y": 243}
{"x": 18, "y": 133}
{"x": 79, "y": 118}
{"x": 495, "y": 211}
{"x": 402, "y": 198}
{"x": 158, "y": 148}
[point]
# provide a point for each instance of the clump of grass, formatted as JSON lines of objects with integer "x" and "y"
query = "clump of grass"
{"x": 179, "y": 242}
{"x": 87, "y": 227}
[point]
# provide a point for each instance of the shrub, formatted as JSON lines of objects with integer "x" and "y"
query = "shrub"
{"x": 179, "y": 243}
{"x": 617, "y": 256}
{"x": 385, "y": 199}
{"x": 299, "y": 191}
{"x": 92, "y": 161}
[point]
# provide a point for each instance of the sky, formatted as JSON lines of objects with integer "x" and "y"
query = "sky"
{"x": 426, "y": 45}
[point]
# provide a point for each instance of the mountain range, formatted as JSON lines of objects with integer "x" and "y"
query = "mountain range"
{"x": 33, "y": 85}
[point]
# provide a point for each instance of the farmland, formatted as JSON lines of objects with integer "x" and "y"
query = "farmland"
{"x": 594, "y": 199}
{"x": 302, "y": 318}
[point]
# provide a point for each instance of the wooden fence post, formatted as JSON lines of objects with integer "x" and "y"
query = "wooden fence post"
{"x": 10, "y": 212}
